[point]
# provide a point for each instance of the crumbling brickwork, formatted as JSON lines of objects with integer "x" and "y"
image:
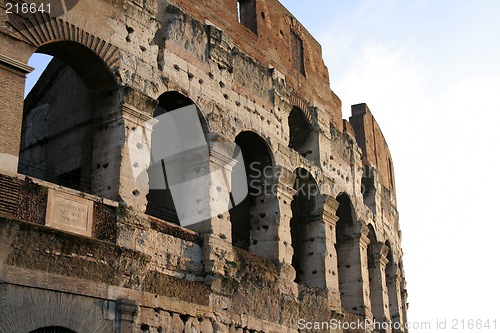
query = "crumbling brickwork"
{"x": 96, "y": 247}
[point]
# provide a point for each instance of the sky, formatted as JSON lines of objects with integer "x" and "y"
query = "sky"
{"x": 430, "y": 72}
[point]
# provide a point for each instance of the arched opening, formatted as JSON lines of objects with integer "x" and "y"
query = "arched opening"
{"x": 368, "y": 188}
{"x": 258, "y": 163}
{"x": 300, "y": 132}
{"x": 376, "y": 289}
{"x": 59, "y": 140}
{"x": 393, "y": 286}
{"x": 178, "y": 142}
{"x": 348, "y": 256}
{"x": 305, "y": 229}
{"x": 53, "y": 329}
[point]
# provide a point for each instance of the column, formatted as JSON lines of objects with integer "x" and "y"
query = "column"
{"x": 330, "y": 219}
{"x": 12, "y": 75}
{"x": 214, "y": 198}
{"x": 121, "y": 153}
{"x": 126, "y": 316}
{"x": 378, "y": 287}
{"x": 353, "y": 273}
{"x": 395, "y": 301}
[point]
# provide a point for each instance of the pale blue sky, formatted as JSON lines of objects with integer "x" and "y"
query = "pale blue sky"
{"x": 430, "y": 73}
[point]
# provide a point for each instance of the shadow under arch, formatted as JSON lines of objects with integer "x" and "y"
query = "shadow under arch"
{"x": 160, "y": 200}
{"x": 60, "y": 142}
{"x": 300, "y": 132}
{"x": 91, "y": 68}
{"x": 259, "y": 167}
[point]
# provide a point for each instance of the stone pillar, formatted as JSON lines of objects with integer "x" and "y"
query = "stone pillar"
{"x": 353, "y": 274}
{"x": 13, "y": 75}
{"x": 214, "y": 197}
{"x": 121, "y": 153}
{"x": 270, "y": 228}
{"x": 330, "y": 219}
{"x": 395, "y": 299}
{"x": 379, "y": 296}
{"x": 127, "y": 312}
{"x": 404, "y": 299}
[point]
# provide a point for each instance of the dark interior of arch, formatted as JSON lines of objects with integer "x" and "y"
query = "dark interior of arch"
{"x": 89, "y": 66}
{"x": 257, "y": 158}
{"x": 53, "y": 329}
{"x": 160, "y": 201}
{"x": 303, "y": 206}
{"x": 57, "y": 136}
{"x": 300, "y": 131}
{"x": 345, "y": 223}
{"x": 372, "y": 246}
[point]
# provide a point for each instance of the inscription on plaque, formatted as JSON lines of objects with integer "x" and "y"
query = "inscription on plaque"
{"x": 70, "y": 213}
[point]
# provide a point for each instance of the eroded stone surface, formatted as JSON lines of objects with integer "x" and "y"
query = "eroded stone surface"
{"x": 84, "y": 132}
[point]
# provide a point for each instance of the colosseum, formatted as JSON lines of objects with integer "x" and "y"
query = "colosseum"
{"x": 183, "y": 166}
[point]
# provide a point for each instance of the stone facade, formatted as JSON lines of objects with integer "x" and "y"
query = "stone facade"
{"x": 88, "y": 246}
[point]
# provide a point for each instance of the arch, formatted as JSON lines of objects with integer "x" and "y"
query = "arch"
{"x": 53, "y": 329}
{"x": 160, "y": 201}
{"x": 44, "y": 31}
{"x": 59, "y": 139}
{"x": 348, "y": 256}
{"x": 305, "y": 228}
{"x": 259, "y": 166}
{"x": 300, "y": 132}
{"x": 94, "y": 71}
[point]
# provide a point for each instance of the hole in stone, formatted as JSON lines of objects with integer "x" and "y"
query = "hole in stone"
{"x": 105, "y": 165}
{"x": 221, "y": 84}
{"x": 143, "y": 48}
{"x": 220, "y": 216}
{"x": 222, "y": 236}
{"x": 265, "y": 227}
{"x": 145, "y": 327}
{"x": 98, "y": 165}
{"x": 347, "y": 266}
{"x": 254, "y": 242}
{"x": 139, "y": 145}
{"x": 311, "y": 253}
{"x": 281, "y": 33}
{"x": 311, "y": 239}
{"x": 136, "y": 193}
{"x": 262, "y": 215}
{"x": 226, "y": 96}
{"x": 136, "y": 164}
{"x": 200, "y": 81}
{"x": 315, "y": 272}
{"x": 108, "y": 188}
{"x": 263, "y": 15}
{"x": 261, "y": 200}
{"x": 184, "y": 318}
{"x": 190, "y": 76}
{"x": 177, "y": 67}
{"x": 211, "y": 75}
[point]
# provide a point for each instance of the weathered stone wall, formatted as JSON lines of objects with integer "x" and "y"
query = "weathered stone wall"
{"x": 132, "y": 272}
